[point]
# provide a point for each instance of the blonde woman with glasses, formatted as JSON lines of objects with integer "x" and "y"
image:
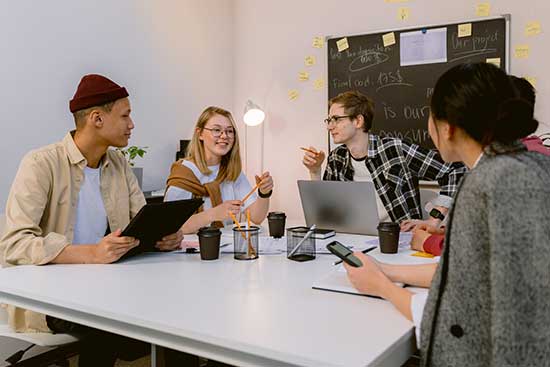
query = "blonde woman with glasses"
{"x": 212, "y": 170}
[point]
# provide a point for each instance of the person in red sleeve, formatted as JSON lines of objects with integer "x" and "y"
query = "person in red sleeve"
{"x": 428, "y": 239}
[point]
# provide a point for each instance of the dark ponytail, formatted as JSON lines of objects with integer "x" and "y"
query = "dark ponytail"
{"x": 514, "y": 120}
{"x": 481, "y": 99}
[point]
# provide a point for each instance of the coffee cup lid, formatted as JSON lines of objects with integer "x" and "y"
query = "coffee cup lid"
{"x": 276, "y": 215}
{"x": 388, "y": 225}
{"x": 208, "y": 231}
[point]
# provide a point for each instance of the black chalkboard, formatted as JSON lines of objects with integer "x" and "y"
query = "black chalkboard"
{"x": 402, "y": 93}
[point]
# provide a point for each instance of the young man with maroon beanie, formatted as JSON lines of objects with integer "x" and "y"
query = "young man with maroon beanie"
{"x": 68, "y": 204}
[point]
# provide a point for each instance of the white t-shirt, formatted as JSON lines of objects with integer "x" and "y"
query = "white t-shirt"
{"x": 230, "y": 190}
{"x": 361, "y": 173}
{"x": 91, "y": 218}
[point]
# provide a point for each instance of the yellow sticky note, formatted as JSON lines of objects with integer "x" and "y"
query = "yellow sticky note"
{"x": 303, "y": 76}
{"x": 465, "y": 30}
{"x": 531, "y": 80}
{"x": 293, "y": 94}
{"x": 532, "y": 28}
{"x": 495, "y": 61}
{"x": 318, "y": 84}
{"x": 422, "y": 254}
{"x": 403, "y": 13}
{"x": 318, "y": 42}
{"x": 342, "y": 44}
{"x": 521, "y": 51}
{"x": 388, "y": 39}
{"x": 309, "y": 60}
{"x": 483, "y": 9}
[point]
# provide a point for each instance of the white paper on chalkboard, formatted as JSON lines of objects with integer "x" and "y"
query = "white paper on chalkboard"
{"x": 423, "y": 47}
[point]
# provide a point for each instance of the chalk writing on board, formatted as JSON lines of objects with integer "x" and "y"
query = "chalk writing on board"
{"x": 402, "y": 93}
{"x": 389, "y": 113}
{"x": 477, "y": 42}
{"x": 391, "y": 79}
{"x": 407, "y": 112}
{"x": 416, "y": 112}
{"x": 418, "y": 136}
{"x": 382, "y": 79}
{"x": 468, "y": 54}
{"x": 360, "y": 51}
{"x": 368, "y": 60}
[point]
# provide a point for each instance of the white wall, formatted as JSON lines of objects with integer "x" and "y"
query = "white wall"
{"x": 174, "y": 57}
{"x": 273, "y": 37}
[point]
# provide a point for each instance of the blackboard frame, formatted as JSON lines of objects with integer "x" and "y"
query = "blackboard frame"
{"x": 505, "y": 64}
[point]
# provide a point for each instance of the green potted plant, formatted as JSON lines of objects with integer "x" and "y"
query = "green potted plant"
{"x": 131, "y": 153}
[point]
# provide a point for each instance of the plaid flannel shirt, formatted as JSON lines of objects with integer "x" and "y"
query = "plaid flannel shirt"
{"x": 396, "y": 166}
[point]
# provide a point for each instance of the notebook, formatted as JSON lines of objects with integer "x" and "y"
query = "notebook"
{"x": 337, "y": 281}
{"x": 318, "y": 233}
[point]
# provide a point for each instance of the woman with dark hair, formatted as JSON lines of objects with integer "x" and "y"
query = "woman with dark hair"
{"x": 488, "y": 302}
{"x": 430, "y": 239}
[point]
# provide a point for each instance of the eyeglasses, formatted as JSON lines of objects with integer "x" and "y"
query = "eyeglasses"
{"x": 217, "y": 132}
{"x": 335, "y": 119}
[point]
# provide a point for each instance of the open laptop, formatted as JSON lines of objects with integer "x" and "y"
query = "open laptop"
{"x": 346, "y": 207}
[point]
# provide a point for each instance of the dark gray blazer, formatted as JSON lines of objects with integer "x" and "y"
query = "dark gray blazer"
{"x": 489, "y": 303}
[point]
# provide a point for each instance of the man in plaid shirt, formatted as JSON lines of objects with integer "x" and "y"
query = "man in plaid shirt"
{"x": 393, "y": 165}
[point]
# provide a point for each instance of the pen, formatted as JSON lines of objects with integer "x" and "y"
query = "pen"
{"x": 309, "y": 233}
{"x": 364, "y": 251}
{"x": 250, "y": 193}
{"x": 309, "y": 150}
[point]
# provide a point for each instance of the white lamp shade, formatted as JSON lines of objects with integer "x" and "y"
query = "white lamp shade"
{"x": 253, "y": 114}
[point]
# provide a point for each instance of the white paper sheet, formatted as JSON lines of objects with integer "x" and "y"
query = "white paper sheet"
{"x": 423, "y": 47}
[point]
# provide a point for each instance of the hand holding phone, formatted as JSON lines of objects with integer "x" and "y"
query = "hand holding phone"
{"x": 344, "y": 253}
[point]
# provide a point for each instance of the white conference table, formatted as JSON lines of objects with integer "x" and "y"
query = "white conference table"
{"x": 246, "y": 313}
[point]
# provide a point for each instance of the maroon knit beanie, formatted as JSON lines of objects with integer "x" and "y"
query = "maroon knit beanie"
{"x": 95, "y": 90}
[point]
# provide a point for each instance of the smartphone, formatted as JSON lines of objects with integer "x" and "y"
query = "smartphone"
{"x": 344, "y": 253}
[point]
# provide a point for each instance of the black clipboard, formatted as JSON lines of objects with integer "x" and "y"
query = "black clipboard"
{"x": 156, "y": 220}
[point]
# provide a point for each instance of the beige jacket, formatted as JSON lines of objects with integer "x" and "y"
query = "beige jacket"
{"x": 40, "y": 211}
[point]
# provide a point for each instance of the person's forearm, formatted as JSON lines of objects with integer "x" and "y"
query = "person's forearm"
{"x": 258, "y": 210}
{"x": 315, "y": 176}
{"x": 400, "y": 298}
{"x": 416, "y": 275}
{"x": 197, "y": 221}
{"x": 76, "y": 254}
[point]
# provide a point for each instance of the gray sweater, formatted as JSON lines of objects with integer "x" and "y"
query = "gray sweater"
{"x": 489, "y": 303}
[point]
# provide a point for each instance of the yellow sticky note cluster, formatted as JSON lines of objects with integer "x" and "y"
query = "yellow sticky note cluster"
{"x": 403, "y": 13}
{"x": 531, "y": 80}
{"x": 521, "y": 51}
{"x": 293, "y": 94}
{"x": 342, "y": 44}
{"x": 532, "y": 28}
{"x": 388, "y": 39}
{"x": 495, "y": 61}
{"x": 318, "y": 42}
{"x": 318, "y": 84}
{"x": 483, "y": 9}
{"x": 465, "y": 30}
{"x": 303, "y": 76}
{"x": 309, "y": 60}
